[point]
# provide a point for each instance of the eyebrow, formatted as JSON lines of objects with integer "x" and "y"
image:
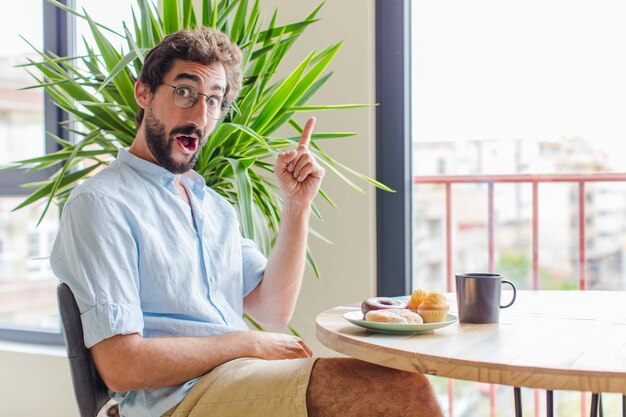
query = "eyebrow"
{"x": 198, "y": 80}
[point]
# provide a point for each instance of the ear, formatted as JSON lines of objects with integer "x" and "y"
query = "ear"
{"x": 143, "y": 95}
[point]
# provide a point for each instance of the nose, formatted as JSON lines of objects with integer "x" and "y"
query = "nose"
{"x": 197, "y": 114}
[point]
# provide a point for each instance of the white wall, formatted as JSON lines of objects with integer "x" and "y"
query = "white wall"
{"x": 38, "y": 384}
{"x": 348, "y": 267}
{"x": 35, "y": 382}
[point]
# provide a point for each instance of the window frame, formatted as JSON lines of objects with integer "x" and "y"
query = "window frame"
{"x": 393, "y": 147}
{"x": 58, "y": 37}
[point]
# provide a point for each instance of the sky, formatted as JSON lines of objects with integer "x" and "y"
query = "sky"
{"x": 503, "y": 69}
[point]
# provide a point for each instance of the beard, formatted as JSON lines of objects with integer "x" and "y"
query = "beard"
{"x": 162, "y": 146}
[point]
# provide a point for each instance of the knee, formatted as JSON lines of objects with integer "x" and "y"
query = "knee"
{"x": 416, "y": 393}
{"x": 409, "y": 381}
{"x": 367, "y": 387}
{"x": 419, "y": 380}
{"x": 389, "y": 377}
{"x": 408, "y": 388}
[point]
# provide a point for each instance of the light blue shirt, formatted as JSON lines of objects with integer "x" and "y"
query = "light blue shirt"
{"x": 140, "y": 260}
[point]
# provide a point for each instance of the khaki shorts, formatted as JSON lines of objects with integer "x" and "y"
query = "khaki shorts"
{"x": 249, "y": 387}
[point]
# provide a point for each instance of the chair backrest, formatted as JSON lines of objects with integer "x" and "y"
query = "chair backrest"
{"x": 89, "y": 388}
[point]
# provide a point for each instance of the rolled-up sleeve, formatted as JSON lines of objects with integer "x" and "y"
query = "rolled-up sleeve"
{"x": 254, "y": 263}
{"x": 96, "y": 254}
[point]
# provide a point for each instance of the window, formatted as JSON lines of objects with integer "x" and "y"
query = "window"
{"x": 110, "y": 14}
{"x": 27, "y": 287}
{"x": 487, "y": 88}
{"x": 21, "y": 112}
{"x": 28, "y": 308}
{"x": 497, "y": 97}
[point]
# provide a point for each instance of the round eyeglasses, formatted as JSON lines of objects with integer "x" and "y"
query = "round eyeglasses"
{"x": 186, "y": 96}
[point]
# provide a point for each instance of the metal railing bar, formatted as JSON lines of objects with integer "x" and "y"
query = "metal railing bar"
{"x": 450, "y": 397}
{"x": 529, "y": 178}
{"x": 582, "y": 261}
{"x": 535, "y": 236}
{"x": 490, "y": 215}
{"x": 492, "y": 400}
{"x": 581, "y": 179}
{"x": 449, "y": 278}
{"x": 491, "y": 227}
{"x": 537, "y": 402}
{"x": 448, "y": 237}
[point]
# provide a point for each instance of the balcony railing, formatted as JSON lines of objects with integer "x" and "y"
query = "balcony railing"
{"x": 535, "y": 180}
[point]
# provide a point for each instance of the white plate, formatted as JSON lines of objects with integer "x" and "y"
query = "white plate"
{"x": 356, "y": 317}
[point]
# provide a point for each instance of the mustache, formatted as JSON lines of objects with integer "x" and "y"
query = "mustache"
{"x": 188, "y": 130}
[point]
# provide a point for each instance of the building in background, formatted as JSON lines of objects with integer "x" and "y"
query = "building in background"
{"x": 605, "y": 205}
{"x": 26, "y": 280}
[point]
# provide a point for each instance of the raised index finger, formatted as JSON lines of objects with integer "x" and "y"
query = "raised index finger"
{"x": 306, "y": 133}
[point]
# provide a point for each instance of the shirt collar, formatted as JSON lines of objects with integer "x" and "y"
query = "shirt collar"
{"x": 159, "y": 173}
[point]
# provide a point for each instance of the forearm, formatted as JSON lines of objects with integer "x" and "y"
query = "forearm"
{"x": 299, "y": 177}
{"x": 274, "y": 300}
{"x": 130, "y": 362}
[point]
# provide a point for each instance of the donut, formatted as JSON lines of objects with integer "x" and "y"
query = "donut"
{"x": 411, "y": 316}
{"x": 380, "y": 303}
{"x": 385, "y": 316}
{"x": 393, "y": 315}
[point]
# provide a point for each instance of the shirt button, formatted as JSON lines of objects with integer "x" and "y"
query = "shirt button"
{"x": 102, "y": 301}
{"x": 212, "y": 278}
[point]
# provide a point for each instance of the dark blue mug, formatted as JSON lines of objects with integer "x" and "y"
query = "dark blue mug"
{"x": 478, "y": 296}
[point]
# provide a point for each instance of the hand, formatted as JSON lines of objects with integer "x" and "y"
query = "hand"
{"x": 299, "y": 175}
{"x": 273, "y": 346}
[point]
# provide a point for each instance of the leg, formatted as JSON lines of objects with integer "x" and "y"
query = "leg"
{"x": 550, "y": 403}
{"x": 349, "y": 387}
{"x": 517, "y": 393}
{"x": 594, "y": 405}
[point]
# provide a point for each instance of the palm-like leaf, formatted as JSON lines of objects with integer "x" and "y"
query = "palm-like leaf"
{"x": 97, "y": 91}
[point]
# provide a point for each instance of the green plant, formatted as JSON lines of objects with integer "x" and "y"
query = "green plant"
{"x": 97, "y": 91}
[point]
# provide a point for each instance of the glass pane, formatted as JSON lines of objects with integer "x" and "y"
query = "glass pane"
{"x": 27, "y": 285}
{"x": 112, "y": 15}
{"x": 108, "y": 13}
{"x": 21, "y": 111}
{"x": 518, "y": 88}
{"x": 491, "y": 97}
{"x": 527, "y": 87}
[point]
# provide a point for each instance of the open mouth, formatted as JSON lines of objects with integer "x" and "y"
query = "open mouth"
{"x": 187, "y": 143}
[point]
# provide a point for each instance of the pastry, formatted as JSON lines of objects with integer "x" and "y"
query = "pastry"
{"x": 434, "y": 308}
{"x": 399, "y": 316}
{"x": 417, "y": 298}
{"x": 380, "y": 303}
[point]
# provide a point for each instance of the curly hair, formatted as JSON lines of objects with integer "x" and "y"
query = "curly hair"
{"x": 203, "y": 45}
